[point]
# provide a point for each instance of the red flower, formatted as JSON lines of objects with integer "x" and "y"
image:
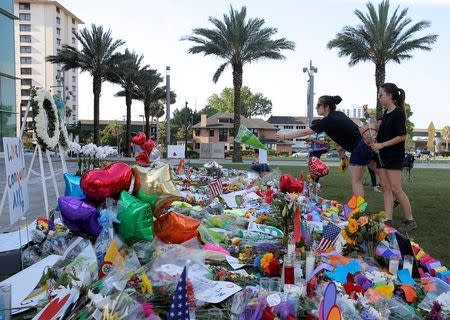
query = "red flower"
{"x": 274, "y": 268}
{"x": 139, "y": 139}
{"x": 351, "y": 288}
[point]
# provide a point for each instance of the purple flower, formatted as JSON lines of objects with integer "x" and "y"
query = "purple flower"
{"x": 367, "y": 315}
{"x": 435, "y": 313}
{"x": 362, "y": 281}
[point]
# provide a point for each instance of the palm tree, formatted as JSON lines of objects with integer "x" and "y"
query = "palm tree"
{"x": 445, "y": 133}
{"x": 126, "y": 74}
{"x": 149, "y": 90}
{"x": 238, "y": 41}
{"x": 97, "y": 56}
{"x": 380, "y": 38}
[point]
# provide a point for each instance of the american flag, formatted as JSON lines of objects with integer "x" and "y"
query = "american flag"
{"x": 179, "y": 309}
{"x": 329, "y": 237}
{"x": 215, "y": 187}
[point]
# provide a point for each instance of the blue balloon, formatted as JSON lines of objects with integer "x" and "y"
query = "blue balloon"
{"x": 73, "y": 188}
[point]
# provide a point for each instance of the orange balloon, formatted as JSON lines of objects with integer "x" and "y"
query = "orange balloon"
{"x": 352, "y": 202}
{"x": 176, "y": 228}
{"x": 334, "y": 314}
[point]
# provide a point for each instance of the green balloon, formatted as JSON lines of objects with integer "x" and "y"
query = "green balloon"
{"x": 148, "y": 198}
{"x": 136, "y": 219}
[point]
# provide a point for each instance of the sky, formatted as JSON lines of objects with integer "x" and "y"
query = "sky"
{"x": 154, "y": 29}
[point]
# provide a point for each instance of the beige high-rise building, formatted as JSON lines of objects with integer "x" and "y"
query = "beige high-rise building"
{"x": 44, "y": 27}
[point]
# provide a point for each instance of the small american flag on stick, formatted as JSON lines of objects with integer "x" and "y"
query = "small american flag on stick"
{"x": 215, "y": 187}
{"x": 329, "y": 237}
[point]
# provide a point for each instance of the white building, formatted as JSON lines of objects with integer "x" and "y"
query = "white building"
{"x": 353, "y": 112}
{"x": 288, "y": 124}
{"x": 44, "y": 27}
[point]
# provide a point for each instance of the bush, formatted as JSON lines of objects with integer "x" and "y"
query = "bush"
{"x": 444, "y": 154}
{"x": 190, "y": 154}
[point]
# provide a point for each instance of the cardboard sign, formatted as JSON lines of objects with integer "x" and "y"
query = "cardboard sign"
{"x": 262, "y": 156}
{"x": 176, "y": 151}
{"x": 212, "y": 151}
{"x": 16, "y": 179}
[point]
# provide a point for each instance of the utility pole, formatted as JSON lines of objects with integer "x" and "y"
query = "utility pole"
{"x": 310, "y": 92}
{"x": 168, "y": 105}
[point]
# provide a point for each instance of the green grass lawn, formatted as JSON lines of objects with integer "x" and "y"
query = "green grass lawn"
{"x": 429, "y": 193}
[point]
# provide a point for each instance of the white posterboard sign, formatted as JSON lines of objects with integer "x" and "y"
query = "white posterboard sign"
{"x": 175, "y": 151}
{"x": 262, "y": 156}
{"x": 16, "y": 178}
{"x": 212, "y": 151}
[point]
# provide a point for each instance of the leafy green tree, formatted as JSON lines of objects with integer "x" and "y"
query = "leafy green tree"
{"x": 209, "y": 110}
{"x": 111, "y": 134}
{"x": 126, "y": 75}
{"x": 97, "y": 57}
{"x": 445, "y": 133}
{"x": 238, "y": 41}
{"x": 251, "y": 104}
{"x": 381, "y": 37}
{"x": 182, "y": 122}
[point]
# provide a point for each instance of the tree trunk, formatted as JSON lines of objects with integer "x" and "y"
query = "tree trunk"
{"x": 186, "y": 132}
{"x": 237, "y": 85}
{"x": 380, "y": 76}
{"x": 97, "y": 89}
{"x": 128, "y": 101}
{"x": 147, "y": 119}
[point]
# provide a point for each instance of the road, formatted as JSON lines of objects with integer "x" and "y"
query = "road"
{"x": 37, "y": 207}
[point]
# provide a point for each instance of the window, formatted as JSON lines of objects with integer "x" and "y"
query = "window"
{"x": 25, "y": 92}
{"x": 197, "y": 132}
{"x": 197, "y": 146}
{"x": 24, "y": 6}
{"x": 224, "y": 120}
{"x": 254, "y": 131}
{"x": 24, "y": 103}
{"x": 74, "y": 98}
{"x": 74, "y": 30}
{"x": 74, "y": 78}
{"x": 211, "y": 132}
{"x": 25, "y": 16}
{"x": 58, "y": 20}
{"x": 288, "y": 127}
{"x": 58, "y": 41}
{"x": 73, "y": 21}
{"x": 25, "y": 70}
{"x": 74, "y": 117}
{"x": 25, "y": 49}
{"x": 74, "y": 89}
{"x": 231, "y": 132}
{"x": 25, "y": 60}
{"x": 25, "y": 38}
{"x": 223, "y": 134}
{"x": 58, "y": 31}
{"x": 58, "y": 51}
{"x": 58, "y": 10}
{"x": 74, "y": 107}
{"x": 73, "y": 40}
{"x": 25, "y": 82}
{"x": 25, "y": 27}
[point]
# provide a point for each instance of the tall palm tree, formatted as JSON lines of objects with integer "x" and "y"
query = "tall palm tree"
{"x": 380, "y": 38}
{"x": 97, "y": 56}
{"x": 126, "y": 75}
{"x": 445, "y": 133}
{"x": 149, "y": 90}
{"x": 238, "y": 41}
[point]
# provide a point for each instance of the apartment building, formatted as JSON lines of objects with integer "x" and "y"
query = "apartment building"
{"x": 44, "y": 26}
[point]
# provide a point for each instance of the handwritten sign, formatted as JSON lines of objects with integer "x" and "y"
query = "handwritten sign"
{"x": 176, "y": 151}
{"x": 16, "y": 178}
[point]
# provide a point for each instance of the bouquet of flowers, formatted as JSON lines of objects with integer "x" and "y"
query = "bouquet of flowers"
{"x": 90, "y": 155}
{"x": 364, "y": 231}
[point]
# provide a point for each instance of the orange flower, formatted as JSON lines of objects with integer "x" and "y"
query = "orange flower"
{"x": 265, "y": 260}
{"x": 352, "y": 226}
{"x": 363, "y": 220}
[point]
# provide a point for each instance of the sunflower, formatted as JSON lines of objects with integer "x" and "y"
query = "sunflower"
{"x": 352, "y": 226}
{"x": 347, "y": 238}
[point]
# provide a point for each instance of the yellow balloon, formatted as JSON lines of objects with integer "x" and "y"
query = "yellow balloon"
{"x": 156, "y": 181}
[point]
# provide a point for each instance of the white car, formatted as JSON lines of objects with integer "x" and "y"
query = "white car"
{"x": 300, "y": 154}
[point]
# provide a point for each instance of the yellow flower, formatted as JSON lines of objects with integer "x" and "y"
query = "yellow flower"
{"x": 265, "y": 260}
{"x": 347, "y": 238}
{"x": 352, "y": 226}
{"x": 381, "y": 235}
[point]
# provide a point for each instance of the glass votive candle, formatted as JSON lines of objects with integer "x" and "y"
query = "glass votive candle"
{"x": 408, "y": 263}
{"x": 276, "y": 284}
{"x": 394, "y": 263}
{"x": 5, "y": 301}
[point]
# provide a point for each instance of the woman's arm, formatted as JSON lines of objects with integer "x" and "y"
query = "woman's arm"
{"x": 393, "y": 141}
{"x": 294, "y": 134}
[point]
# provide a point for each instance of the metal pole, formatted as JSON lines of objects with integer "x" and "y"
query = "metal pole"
{"x": 168, "y": 105}
{"x": 310, "y": 94}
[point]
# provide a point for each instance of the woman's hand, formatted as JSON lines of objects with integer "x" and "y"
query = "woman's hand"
{"x": 377, "y": 146}
{"x": 341, "y": 152}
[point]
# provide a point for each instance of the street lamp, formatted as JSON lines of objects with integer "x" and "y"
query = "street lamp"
{"x": 168, "y": 105}
{"x": 310, "y": 93}
{"x": 142, "y": 116}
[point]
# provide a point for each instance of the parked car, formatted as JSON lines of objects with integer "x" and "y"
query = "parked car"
{"x": 333, "y": 154}
{"x": 300, "y": 154}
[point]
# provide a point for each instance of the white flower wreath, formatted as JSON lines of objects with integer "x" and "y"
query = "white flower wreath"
{"x": 41, "y": 125}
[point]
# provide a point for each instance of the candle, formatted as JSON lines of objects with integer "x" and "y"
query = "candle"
{"x": 310, "y": 261}
{"x": 393, "y": 265}
{"x": 288, "y": 266}
{"x": 408, "y": 263}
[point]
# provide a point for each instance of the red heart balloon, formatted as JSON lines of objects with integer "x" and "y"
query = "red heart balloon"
{"x": 148, "y": 145}
{"x": 99, "y": 184}
{"x": 139, "y": 139}
{"x": 289, "y": 184}
{"x": 142, "y": 158}
{"x": 317, "y": 167}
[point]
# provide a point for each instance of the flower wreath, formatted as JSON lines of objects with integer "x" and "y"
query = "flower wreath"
{"x": 48, "y": 134}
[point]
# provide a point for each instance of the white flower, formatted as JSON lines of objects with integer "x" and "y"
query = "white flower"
{"x": 41, "y": 119}
{"x": 74, "y": 147}
{"x": 444, "y": 301}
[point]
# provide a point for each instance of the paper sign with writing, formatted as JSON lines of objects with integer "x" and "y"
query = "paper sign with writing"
{"x": 213, "y": 291}
{"x": 16, "y": 178}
